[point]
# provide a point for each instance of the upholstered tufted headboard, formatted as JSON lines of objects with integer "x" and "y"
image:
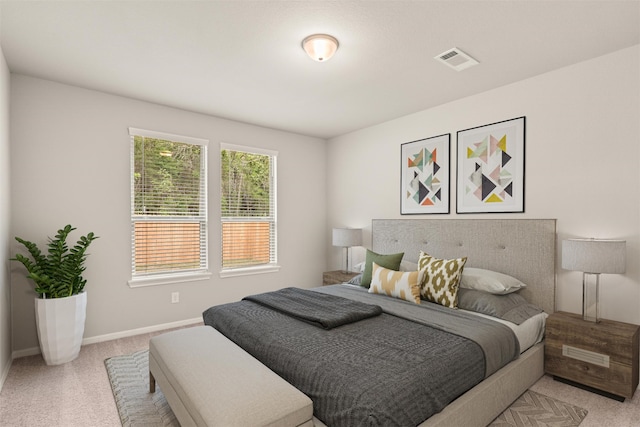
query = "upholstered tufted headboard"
{"x": 522, "y": 248}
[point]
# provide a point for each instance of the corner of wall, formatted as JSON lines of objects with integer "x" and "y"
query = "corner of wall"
{"x": 5, "y": 201}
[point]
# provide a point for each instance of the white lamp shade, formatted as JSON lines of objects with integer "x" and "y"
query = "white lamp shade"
{"x": 320, "y": 47}
{"x": 594, "y": 256}
{"x": 347, "y": 237}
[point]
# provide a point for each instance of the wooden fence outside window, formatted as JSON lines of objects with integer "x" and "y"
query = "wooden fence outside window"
{"x": 165, "y": 246}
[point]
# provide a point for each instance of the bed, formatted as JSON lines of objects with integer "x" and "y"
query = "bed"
{"x": 520, "y": 248}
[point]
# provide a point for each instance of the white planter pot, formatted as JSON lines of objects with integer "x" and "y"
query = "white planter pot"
{"x": 60, "y": 325}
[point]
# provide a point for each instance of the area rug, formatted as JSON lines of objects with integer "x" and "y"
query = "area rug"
{"x": 129, "y": 377}
{"x": 535, "y": 409}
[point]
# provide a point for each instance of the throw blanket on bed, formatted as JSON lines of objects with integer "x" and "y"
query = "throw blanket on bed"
{"x": 383, "y": 370}
{"x": 323, "y": 310}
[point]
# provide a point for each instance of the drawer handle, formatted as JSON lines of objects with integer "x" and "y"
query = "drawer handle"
{"x": 585, "y": 355}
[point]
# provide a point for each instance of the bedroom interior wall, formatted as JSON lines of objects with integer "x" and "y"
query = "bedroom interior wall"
{"x": 5, "y": 288}
{"x": 582, "y": 163}
{"x": 70, "y": 164}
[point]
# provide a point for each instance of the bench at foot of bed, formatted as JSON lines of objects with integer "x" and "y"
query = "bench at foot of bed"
{"x": 209, "y": 381}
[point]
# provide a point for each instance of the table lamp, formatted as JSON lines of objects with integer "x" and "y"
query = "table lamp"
{"x": 346, "y": 238}
{"x": 593, "y": 257}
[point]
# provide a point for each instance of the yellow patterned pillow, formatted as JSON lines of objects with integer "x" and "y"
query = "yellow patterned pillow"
{"x": 441, "y": 278}
{"x": 397, "y": 284}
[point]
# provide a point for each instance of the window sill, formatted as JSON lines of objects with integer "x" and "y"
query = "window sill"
{"x": 232, "y": 272}
{"x": 168, "y": 279}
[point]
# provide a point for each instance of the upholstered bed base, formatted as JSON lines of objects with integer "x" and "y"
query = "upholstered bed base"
{"x": 522, "y": 248}
{"x": 482, "y": 404}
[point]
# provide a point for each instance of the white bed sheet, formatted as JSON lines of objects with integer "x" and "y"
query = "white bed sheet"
{"x": 529, "y": 332}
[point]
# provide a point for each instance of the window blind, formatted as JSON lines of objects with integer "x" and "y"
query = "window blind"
{"x": 168, "y": 203}
{"x": 248, "y": 206}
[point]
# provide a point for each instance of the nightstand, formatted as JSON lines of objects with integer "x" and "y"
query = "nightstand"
{"x": 338, "y": 276}
{"x": 602, "y": 356}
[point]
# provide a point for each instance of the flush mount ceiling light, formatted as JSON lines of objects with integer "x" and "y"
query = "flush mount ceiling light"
{"x": 320, "y": 47}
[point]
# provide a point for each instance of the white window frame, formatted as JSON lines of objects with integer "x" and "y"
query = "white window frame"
{"x": 202, "y": 273}
{"x": 273, "y": 265}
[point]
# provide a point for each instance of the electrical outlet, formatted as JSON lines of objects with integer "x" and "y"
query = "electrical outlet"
{"x": 175, "y": 297}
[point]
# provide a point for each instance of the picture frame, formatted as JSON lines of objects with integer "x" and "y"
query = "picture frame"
{"x": 425, "y": 176}
{"x": 491, "y": 168}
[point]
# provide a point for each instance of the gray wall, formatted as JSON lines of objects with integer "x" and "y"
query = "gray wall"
{"x": 5, "y": 289}
{"x": 582, "y": 164}
{"x": 70, "y": 164}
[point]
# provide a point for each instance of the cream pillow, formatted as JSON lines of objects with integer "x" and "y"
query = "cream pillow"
{"x": 489, "y": 281}
{"x": 397, "y": 284}
{"x": 441, "y": 278}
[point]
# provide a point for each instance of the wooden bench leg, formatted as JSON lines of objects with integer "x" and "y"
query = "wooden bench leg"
{"x": 152, "y": 383}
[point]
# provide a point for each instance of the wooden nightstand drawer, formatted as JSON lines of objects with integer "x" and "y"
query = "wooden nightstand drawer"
{"x": 338, "y": 276}
{"x": 600, "y": 355}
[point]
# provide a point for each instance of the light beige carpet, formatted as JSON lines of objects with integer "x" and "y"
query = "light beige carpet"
{"x": 129, "y": 377}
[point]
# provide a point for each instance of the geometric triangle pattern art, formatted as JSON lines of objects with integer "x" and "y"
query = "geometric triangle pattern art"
{"x": 491, "y": 181}
{"x": 424, "y": 188}
{"x": 425, "y": 170}
{"x": 490, "y": 167}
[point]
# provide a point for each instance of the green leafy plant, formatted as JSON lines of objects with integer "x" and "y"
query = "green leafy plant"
{"x": 59, "y": 273}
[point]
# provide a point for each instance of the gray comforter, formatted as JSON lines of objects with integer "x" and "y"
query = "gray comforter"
{"x": 383, "y": 370}
{"x": 498, "y": 342}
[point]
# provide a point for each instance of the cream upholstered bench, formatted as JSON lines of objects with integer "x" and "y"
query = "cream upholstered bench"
{"x": 209, "y": 381}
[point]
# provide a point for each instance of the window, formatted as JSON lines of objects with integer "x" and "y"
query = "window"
{"x": 248, "y": 209}
{"x": 168, "y": 207}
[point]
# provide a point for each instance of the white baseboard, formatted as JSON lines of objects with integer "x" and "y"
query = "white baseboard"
{"x": 114, "y": 336}
{"x": 5, "y": 373}
{"x": 139, "y": 331}
{"x": 25, "y": 352}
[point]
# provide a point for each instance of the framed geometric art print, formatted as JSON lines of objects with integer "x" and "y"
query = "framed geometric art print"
{"x": 425, "y": 176}
{"x": 491, "y": 168}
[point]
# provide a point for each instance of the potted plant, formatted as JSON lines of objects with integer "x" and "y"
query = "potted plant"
{"x": 61, "y": 302}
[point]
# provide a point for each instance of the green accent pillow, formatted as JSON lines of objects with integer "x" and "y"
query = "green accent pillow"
{"x": 391, "y": 262}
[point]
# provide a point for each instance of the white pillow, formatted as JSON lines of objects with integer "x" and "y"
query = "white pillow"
{"x": 489, "y": 281}
{"x": 359, "y": 267}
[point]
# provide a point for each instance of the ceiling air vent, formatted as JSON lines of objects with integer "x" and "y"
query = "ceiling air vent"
{"x": 456, "y": 59}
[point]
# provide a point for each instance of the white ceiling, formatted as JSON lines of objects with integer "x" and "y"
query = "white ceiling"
{"x": 243, "y": 60}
